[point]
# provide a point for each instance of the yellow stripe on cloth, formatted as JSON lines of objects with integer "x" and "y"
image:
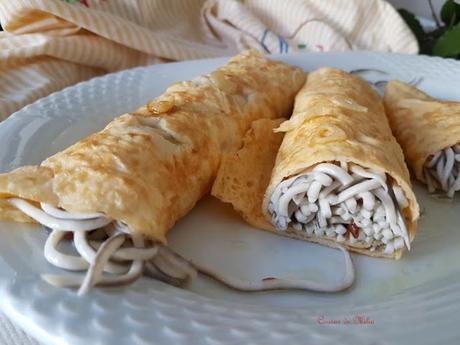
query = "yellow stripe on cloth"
{"x": 46, "y": 39}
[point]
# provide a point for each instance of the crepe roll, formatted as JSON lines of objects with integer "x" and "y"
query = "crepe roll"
{"x": 128, "y": 184}
{"x": 429, "y": 133}
{"x": 339, "y": 174}
{"x": 242, "y": 179}
{"x": 338, "y": 177}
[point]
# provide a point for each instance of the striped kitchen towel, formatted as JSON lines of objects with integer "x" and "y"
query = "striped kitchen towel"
{"x": 49, "y": 44}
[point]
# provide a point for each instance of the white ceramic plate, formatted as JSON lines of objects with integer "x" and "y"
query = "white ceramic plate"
{"x": 415, "y": 299}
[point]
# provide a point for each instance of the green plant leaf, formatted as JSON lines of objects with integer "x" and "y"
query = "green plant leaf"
{"x": 412, "y": 22}
{"x": 450, "y": 13}
{"x": 448, "y": 45}
{"x": 429, "y": 40}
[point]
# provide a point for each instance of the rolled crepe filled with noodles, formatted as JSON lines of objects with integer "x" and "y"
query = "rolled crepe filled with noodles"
{"x": 339, "y": 175}
{"x": 242, "y": 179}
{"x": 429, "y": 133}
{"x": 120, "y": 190}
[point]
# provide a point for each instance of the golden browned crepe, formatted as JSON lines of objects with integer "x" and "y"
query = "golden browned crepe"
{"x": 148, "y": 168}
{"x": 422, "y": 124}
{"x": 337, "y": 118}
{"x": 243, "y": 176}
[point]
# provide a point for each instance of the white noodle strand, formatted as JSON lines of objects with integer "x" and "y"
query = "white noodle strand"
{"x": 365, "y": 197}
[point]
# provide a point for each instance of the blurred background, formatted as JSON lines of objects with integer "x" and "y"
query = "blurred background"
{"x": 418, "y": 7}
{"x": 44, "y": 40}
